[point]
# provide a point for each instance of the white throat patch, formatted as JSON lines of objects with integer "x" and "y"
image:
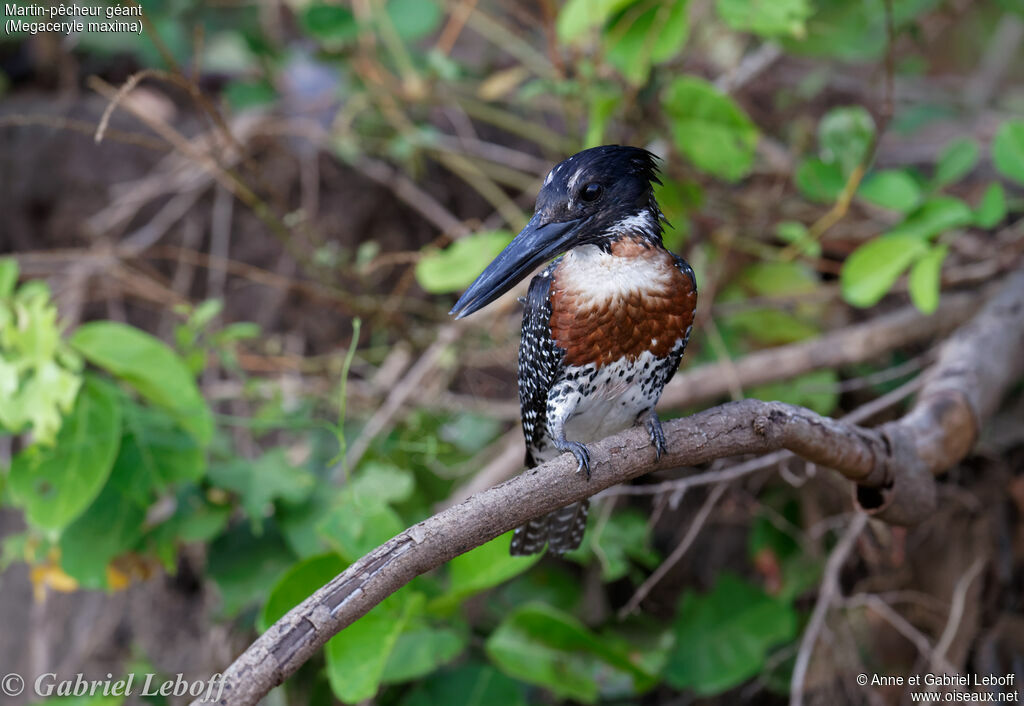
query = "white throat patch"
{"x": 599, "y": 277}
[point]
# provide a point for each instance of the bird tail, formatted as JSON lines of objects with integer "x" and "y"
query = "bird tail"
{"x": 562, "y": 530}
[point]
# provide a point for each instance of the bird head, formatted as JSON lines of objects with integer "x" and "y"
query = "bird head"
{"x": 591, "y": 198}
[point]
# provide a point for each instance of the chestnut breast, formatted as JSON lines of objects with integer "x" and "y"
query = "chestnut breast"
{"x": 610, "y": 305}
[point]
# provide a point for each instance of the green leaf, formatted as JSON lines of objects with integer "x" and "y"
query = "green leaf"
{"x": 1008, "y": 150}
{"x": 767, "y": 18}
{"x": 151, "y": 367}
{"x": 472, "y": 684}
{"x": 479, "y": 569}
{"x": 262, "y": 481}
{"x": 924, "y": 279}
{"x": 414, "y": 19}
{"x": 8, "y": 276}
{"x": 819, "y": 181}
{"x": 298, "y": 584}
{"x": 956, "y": 161}
{"x": 723, "y": 637}
{"x": 646, "y": 34}
{"x": 845, "y": 136}
{"x": 873, "y": 268}
{"x": 352, "y": 529}
{"x": 893, "y": 189}
{"x": 797, "y": 234}
{"x": 421, "y": 650}
{"x": 816, "y": 390}
{"x": 356, "y": 656}
{"x": 992, "y": 209}
{"x": 56, "y": 484}
{"x": 541, "y": 645}
{"x": 110, "y": 526}
{"x": 454, "y": 268}
{"x": 158, "y": 450}
{"x": 254, "y": 93}
{"x": 710, "y": 129}
{"x": 578, "y": 17}
{"x": 937, "y": 215}
{"x": 329, "y": 23}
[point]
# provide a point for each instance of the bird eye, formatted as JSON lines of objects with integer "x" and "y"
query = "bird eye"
{"x": 591, "y": 191}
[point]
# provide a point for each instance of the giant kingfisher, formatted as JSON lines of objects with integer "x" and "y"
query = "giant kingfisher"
{"x": 605, "y": 324}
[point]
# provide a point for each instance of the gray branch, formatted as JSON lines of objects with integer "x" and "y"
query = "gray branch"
{"x": 892, "y": 467}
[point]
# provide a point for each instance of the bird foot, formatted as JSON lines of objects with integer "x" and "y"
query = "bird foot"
{"x": 581, "y": 452}
{"x": 656, "y": 433}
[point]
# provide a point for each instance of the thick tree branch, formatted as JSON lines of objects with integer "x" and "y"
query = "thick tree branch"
{"x": 892, "y": 467}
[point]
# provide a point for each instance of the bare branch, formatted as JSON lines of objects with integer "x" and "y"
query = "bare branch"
{"x": 892, "y": 465}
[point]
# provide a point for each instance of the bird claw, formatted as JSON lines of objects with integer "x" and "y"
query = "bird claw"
{"x": 657, "y": 435}
{"x": 581, "y": 452}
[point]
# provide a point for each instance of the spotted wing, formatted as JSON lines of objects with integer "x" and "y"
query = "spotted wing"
{"x": 684, "y": 267}
{"x": 540, "y": 362}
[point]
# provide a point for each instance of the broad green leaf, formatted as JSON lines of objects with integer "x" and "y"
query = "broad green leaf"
{"x": 773, "y": 326}
{"x": 158, "y": 451}
{"x": 767, "y": 18}
{"x": 298, "y": 584}
{"x": 356, "y": 656}
{"x": 56, "y": 484}
{"x": 110, "y": 526}
{"x": 873, "y": 268}
{"x": 414, "y": 19}
{"x": 1008, "y": 150}
{"x": 472, "y": 684}
{"x": 541, "y": 645}
{"x": 419, "y": 651}
{"x": 646, "y": 34}
{"x": 328, "y": 23}
{"x": 992, "y": 209}
{"x": 479, "y": 569}
{"x": 723, "y": 637}
{"x": 262, "y": 481}
{"x": 243, "y": 564}
{"x": 798, "y": 235}
{"x": 252, "y": 93}
{"x": 151, "y": 367}
{"x": 381, "y": 483}
{"x": 710, "y": 129}
{"x": 845, "y": 136}
{"x": 935, "y": 216}
{"x": 602, "y": 105}
{"x": 819, "y": 181}
{"x": 816, "y": 390}
{"x": 956, "y": 161}
{"x": 195, "y": 519}
{"x": 924, "y": 279}
{"x": 455, "y": 267}
{"x": 8, "y": 276}
{"x": 352, "y": 528}
{"x": 578, "y": 17}
{"x": 893, "y": 189}
{"x": 778, "y": 278}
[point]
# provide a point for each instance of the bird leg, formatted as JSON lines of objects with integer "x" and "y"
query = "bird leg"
{"x": 580, "y": 451}
{"x": 654, "y": 430}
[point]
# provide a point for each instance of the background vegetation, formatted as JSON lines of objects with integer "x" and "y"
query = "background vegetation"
{"x": 226, "y": 369}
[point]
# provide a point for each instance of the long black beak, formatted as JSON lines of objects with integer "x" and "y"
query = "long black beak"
{"x": 537, "y": 243}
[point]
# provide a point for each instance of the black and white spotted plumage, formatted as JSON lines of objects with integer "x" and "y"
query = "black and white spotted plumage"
{"x": 605, "y": 325}
{"x": 550, "y": 390}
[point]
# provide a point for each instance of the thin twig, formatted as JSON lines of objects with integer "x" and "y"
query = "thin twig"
{"x": 684, "y": 545}
{"x": 826, "y": 596}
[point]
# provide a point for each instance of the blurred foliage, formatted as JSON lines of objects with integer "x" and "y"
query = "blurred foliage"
{"x": 123, "y": 461}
